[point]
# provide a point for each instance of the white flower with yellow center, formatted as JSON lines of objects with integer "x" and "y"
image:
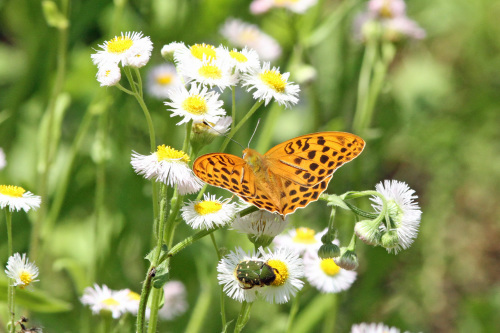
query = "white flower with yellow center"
{"x": 227, "y": 276}
{"x": 387, "y": 8}
{"x": 325, "y": 275}
{"x": 300, "y": 239}
{"x": 242, "y": 34}
{"x": 104, "y": 299}
{"x": 194, "y": 53}
{"x": 129, "y": 49}
{"x": 261, "y": 223}
{"x": 21, "y": 270}
{"x": 270, "y": 83}
{"x": 108, "y": 74}
{"x": 17, "y": 198}
{"x": 246, "y": 60}
{"x": 3, "y": 161}
{"x": 197, "y": 104}
{"x": 209, "y": 212}
{"x": 403, "y": 211}
{"x": 175, "y": 300}
{"x": 373, "y": 328}
{"x": 132, "y": 300}
{"x": 161, "y": 80}
{"x": 169, "y": 166}
{"x": 210, "y": 72}
{"x": 288, "y": 268}
{"x": 168, "y": 50}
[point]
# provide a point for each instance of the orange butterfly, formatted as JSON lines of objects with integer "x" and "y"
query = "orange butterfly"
{"x": 289, "y": 176}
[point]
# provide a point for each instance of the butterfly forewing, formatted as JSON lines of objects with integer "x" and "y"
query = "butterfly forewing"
{"x": 226, "y": 171}
{"x": 310, "y": 159}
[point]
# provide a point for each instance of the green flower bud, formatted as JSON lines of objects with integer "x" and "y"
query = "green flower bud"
{"x": 347, "y": 260}
{"x": 328, "y": 251}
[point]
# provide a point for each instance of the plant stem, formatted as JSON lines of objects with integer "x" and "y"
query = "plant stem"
{"x": 243, "y": 316}
{"x": 222, "y": 302}
{"x": 293, "y": 311}
{"x": 11, "y": 289}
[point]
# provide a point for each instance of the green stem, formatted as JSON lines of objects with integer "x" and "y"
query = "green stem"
{"x": 243, "y": 316}
{"x": 364, "y": 85}
{"x": 235, "y": 129}
{"x": 146, "y": 289}
{"x": 222, "y": 298}
{"x": 153, "y": 317}
{"x": 11, "y": 288}
{"x": 293, "y": 311}
{"x": 49, "y": 149}
{"x": 233, "y": 106}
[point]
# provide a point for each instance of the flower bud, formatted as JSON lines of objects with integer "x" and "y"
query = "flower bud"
{"x": 347, "y": 259}
{"x": 390, "y": 239}
{"x": 328, "y": 251}
{"x": 368, "y": 232}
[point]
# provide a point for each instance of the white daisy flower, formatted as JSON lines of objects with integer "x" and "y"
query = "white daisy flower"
{"x": 210, "y": 72}
{"x": 175, "y": 302}
{"x": 197, "y": 104}
{"x": 161, "y": 80}
{"x": 16, "y": 198}
{"x": 246, "y": 60}
{"x": 21, "y": 270}
{"x": 209, "y": 212}
{"x": 300, "y": 239}
{"x": 108, "y": 74}
{"x": 404, "y": 212}
{"x": 130, "y": 48}
{"x": 3, "y": 161}
{"x": 260, "y": 223}
{"x": 373, "y": 328}
{"x": 242, "y": 34}
{"x": 270, "y": 83}
{"x": 194, "y": 53}
{"x": 288, "y": 268}
{"x": 168, "y": 50}
{"x": 296, "y": 6}
{"x": 132, "y": 300}
{"x": 398, "y": 28}
{"x": 220, "y": 127}
{"x": 325, "y": 275}
{"x": 169, "y": 166}
{"x": 227, "y": 276}
{"x": 104, "y": 299}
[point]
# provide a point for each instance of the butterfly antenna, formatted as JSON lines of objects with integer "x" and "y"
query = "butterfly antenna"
{"x": 209, "y": 125}
{"x": 254, "y": 131}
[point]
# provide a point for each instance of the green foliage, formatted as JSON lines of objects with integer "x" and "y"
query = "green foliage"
{"x": 435, "y": 127}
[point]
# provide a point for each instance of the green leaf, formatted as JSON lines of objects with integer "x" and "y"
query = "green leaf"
{"x": 162, "y": 275}
{"x": 338, "y": 201}
{"x": 151, "y": 254}
{"x": 35, "y": 300}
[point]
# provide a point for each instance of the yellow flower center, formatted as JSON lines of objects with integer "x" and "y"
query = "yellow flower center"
{"x": 210, "y": 71}
{"x": 119, "y": 44}
{"x": 385, "y": 10}
{"x": 281, "y": 271}
{"x": 284, "y": 2}
{"x": 198, "y": 50}
{"x": 195, "y": 104}
{"x": 26, "y": 278}
{"x": 12, "y": 191}
{"x": 239, "y": 57}
{"x": 134, "y": 296}
{"x": 110, "y": 302}
{"x": 274, "y": 80}
{"x": 207, "y": 207}
{"x": 164, "y": 79}
{"x": 329, "y": 267}
{"x": 168, "y": 153}
{"x": 304, "y": 236}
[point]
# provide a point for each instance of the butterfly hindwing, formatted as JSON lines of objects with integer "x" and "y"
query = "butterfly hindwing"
{"x": 299, "y": 196}
{"x": 310, "y": 159}
{"x": 226, "y": 171}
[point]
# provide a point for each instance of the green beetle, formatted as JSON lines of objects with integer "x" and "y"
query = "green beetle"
{"x": 253, "y": 273}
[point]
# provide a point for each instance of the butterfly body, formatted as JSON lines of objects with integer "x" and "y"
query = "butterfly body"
{"x": 289, "y": 176}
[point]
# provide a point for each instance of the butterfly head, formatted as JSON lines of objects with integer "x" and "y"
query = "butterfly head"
{"x": 253, "y": 158}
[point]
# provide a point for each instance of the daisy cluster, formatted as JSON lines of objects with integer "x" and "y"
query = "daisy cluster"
{"x": 390, "y": 16}
{"x": 130, "y": 49}
{"x": 120, "y": 302}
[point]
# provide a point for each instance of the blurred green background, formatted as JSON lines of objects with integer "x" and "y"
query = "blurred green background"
{"x": 436, "y": 127}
